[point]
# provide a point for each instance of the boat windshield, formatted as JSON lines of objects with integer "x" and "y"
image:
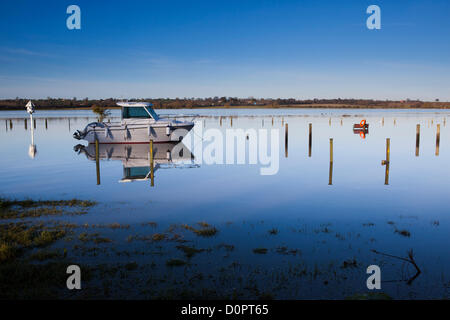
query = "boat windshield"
{"x": 138, "y": 112}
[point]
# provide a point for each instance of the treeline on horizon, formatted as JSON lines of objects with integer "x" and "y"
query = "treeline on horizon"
{"x": 230, "y": 102}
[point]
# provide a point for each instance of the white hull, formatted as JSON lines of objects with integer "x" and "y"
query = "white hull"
{"x": 129, "y": 133}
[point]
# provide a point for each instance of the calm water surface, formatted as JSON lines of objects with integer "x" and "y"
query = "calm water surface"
{"x": 325, "y": 233}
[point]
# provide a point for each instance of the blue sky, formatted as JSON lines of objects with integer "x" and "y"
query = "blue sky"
{"x": 301, "y": 49}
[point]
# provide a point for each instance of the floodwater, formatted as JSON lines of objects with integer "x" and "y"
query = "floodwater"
{"x": 322, "y": 223}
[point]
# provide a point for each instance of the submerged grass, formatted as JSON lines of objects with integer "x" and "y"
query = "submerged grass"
{"x": 13, "y": 209}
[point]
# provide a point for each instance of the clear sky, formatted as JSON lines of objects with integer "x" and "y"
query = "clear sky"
{"x": 300, "y": 49}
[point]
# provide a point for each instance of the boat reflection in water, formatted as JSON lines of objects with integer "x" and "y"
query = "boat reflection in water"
{"x": 138, "y": 164}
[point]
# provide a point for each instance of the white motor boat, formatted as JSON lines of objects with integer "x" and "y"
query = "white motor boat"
{"x": 139, "y": 124}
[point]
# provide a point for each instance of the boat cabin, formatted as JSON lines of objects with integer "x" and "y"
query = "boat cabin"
{"x": 141, "y": 110}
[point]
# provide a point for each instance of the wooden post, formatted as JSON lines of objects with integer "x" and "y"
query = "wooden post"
{"x": 341, "y": 123}
{"x": 382, "y": 122}
{"x": 97, "y": 161}
{"x": 282, "y": 121}
{"x": 151, "y": 165}
{"x": 417, "y": 139}
{"x": 438, "y": 138}
{"x": 330, "y": 175}
{"x": 6, "y": 123}
{"x": 329, "y": 122}
{"x": 272, "y": 121}
{"x": 387, "y": 161}
{"x": 46, "y": 124}
{"x": 262, "y": 123}
{"x": 25, "y": 123}
{"x": 310, "y": 140}
{"x": 220, "y": 120}
{"x": 286, "y": 141}
{"x": 10, "y": 124}
{"x": 34, "y": 123}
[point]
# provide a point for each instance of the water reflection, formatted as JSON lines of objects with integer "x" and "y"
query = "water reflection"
{"x": 139, "y": 161}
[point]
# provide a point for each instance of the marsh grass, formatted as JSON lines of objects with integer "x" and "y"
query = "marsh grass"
{"x": 175, "y": 263}
{"x": 404, "y": 233}
{"x": 189, "y": 251}
{"x": 205, "y": 230}
{"x": 260, "y": 250}
{"x": 13, "y": 209}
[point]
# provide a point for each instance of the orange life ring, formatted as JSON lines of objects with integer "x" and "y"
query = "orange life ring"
{"x": 362, "y": 123}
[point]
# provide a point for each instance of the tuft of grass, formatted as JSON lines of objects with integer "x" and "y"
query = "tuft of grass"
{"x": 158, "y": 236}
{"x": 404, "y": 233}
{"x": 273, "y": 231}
{"x": 42, "y": 255}
{"x": 206, "y": 229}
{"x": 7, "y": 252}
{"x": 260, "y": 250}
{"x": 131, "y": 266}
{"x": 189, "y": 251}
{"x": 175, "y": 263}
{"x": 349, "y": 264}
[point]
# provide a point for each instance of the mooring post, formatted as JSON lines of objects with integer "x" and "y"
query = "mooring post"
{"x": 272, "y": 121}
{"x": 25, "y": 123}
{"x": 417, "y": 139}
{"x": 6, "y": 123}
{"x": 46, "y": 124}
{"x": 97, "y": 161}
{"x": 329, "y": 122}
{"x": 330, "y": 175}
{"x": 382, "y": 122}
{"x": 310, "y": 140}
{"x": 220, "y": 120}
{"x": 387, "y": 161}
{"x": 151, "y": 164}
{"x": 438, "y": 138}
{"x": 10, "y": 124}
{"x": 286, "y": 141}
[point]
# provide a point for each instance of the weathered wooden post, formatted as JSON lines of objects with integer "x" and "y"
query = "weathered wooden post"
{"x": 438, "y": 138}
{"x": 151, "y": 165}
{"x": 97, "y": 161}
{"x": 330, "y": 175}
{"x": 10, "y": 124}
{"x": 382, "y": 122}
{"x": 417, "y": 139}
{"x": 329, "y": 122}
{"x": 46, "y": 124}
{"x": 25, "y": 124}
{"x": 272, "y": 121}
{"x": 387, "y": 161}
{"x": 220, "y": 120}
{"x": 310, "y": 140}
{"x": 34, "y": 123}
{"x": 6, "y": 123}
{"x": 286, "y": 141}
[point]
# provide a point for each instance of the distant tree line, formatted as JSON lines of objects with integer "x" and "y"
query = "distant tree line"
{"x": 180, "y": 103}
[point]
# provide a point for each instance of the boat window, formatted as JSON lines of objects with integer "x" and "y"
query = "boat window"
{"x": 136, "y": 172}
{"x": 134, "y": 112}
